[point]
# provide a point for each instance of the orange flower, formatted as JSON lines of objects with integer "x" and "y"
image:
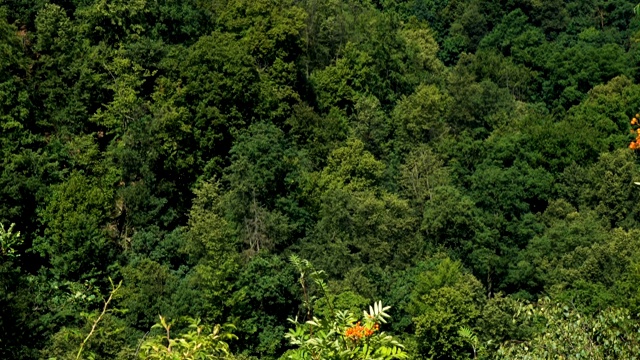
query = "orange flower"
{"x": 634, "y": 121}
{"x": 357, "y": 332}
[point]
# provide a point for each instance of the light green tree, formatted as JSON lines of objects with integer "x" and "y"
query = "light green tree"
{"x": 200, "y": 342}
{"x": 564, "y": 333}
{"x": 8, "y": 241}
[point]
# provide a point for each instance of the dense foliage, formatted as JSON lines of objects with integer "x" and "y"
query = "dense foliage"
{"x": 461, "y": 161}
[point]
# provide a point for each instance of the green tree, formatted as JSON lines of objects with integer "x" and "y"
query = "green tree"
{"x": 359, "y": 222}
{"x": 445, "y": 298}
{"x": 75, "y": 241}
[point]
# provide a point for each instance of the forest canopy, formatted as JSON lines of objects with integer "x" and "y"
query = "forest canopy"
{"x": 240, "y": 179}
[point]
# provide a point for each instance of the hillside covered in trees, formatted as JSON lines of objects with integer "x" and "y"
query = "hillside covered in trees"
{"x": 468, "y": 163}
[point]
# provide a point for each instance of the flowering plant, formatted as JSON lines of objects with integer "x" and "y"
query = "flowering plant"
{"x": 635, "y": 144}
{"x": 342, "y": 335}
